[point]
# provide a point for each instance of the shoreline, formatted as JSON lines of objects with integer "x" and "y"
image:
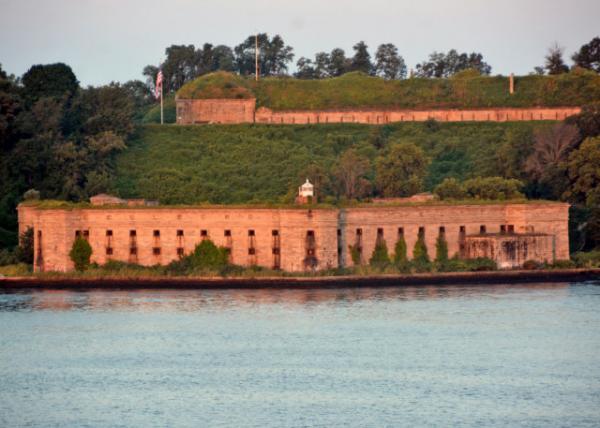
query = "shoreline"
{"x": 449, "y": 278}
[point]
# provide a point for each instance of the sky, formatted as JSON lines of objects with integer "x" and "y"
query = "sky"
{"x": 112, "y": 40}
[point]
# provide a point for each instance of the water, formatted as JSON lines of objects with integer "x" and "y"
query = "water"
{"x": 519, "y": 355}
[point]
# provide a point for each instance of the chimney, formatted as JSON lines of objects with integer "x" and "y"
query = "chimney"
{"x": 511, "y": 83}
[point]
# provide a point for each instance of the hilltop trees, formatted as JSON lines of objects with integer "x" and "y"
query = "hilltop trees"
{"x": 446, "y": 65}
{"x": 361, "y": 61}
{"x": 389, "y": 64}
{"x": 554, "y": 60}
{"x": 48, "y": 80}
{"x": 588, "y": 55}
{"x": 274, "y": 55}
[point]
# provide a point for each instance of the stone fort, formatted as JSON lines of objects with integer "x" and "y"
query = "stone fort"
{"x": 232, "y": 111}
{"x": 296, "y": 238}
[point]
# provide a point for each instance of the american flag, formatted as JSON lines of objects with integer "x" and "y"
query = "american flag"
{"x": 159, "y": 83}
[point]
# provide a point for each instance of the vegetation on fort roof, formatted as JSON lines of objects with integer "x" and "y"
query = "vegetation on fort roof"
{"x": 359, "y": 90}
{"x": 244, "y": 163}
{"x": 217, "y": 85}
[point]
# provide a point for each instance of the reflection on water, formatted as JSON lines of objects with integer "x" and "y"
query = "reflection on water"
{"x": 190, "y": 300}
{"x": 509, "y": 355}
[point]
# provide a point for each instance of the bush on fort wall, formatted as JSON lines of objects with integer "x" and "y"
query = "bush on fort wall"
{"x": 80, "y": 254}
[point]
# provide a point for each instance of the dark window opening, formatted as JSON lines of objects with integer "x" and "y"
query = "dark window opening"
{"x": 511, "y": 228}
{"x": 251, "y": 233}
{"x": 251, "y": 251}
{"x": 310, "y": 252}
{"x": 400, "y": 231}
{"x": 109, "y": 251}
{"x": 86, "y": 234}
{"x": 133, "y": 251}
{"x": 180, "y": 251}
{"x": 180, "y": 232}
{"x": 359, "y": 232}
{"x": 276, "y": 251}
{"x": 156, "y": 251}
{"x": 77, "y": 233}
{"x": 204, "y": 233}
{"x": 482, "y": 229}
{"x": 132, "y": 233}
{"x": 275, "y": 232}
{"x": 156, "y": 233}
{"x": 228, "y": 233}
{"x": 109, "y": 233}
{"x": 502, "y": 229}
{"x": 379, "y": 231}
{"x": 339, "y": 232}
{"x": 421, "y": 231}
{"x": 462, "y": 230}
{"x": 442, "y": 230}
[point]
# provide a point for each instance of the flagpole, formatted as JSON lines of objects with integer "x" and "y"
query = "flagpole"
{"x": 256, "y": 56}
{"x": 161, "y": 104}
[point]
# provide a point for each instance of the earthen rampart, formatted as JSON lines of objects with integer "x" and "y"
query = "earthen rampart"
{"x": 243, "y": 111}
{"x": 288, "y": 239}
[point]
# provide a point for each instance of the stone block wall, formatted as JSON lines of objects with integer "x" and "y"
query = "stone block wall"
{"x": 243, "y": 111}
{"x": 215, "y": 111}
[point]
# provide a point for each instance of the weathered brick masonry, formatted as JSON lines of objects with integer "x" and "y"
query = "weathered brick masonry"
{"x": 296, "y": 239}
{"x": 243, "y": 111}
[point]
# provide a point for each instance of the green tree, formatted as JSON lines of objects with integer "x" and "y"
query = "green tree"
{"x": 380, "y": 257}
{"x": 80, "y": 254}
{"x": 338, "y": 63}
{"x": 49, "y": 80}
{"x": 361, "y": 61}
{"x": 583, "y": 167}
{"x": 400, "y": 257}
{"x": 24, "y": 252}
{"x": 588, "y": 55}
{"x": 447, "y": 64}
{"x": 588, "y": 121}
{"x": 351, "y": 173}
{"x": 389, "y": 64}
{"x": 554, "y": 60}
{"x": 207, "y": 255}
{"x": 305, "y": 69}
{"x": 493, "y": 188}
{"x": 400, "y": 171}
{"x": 421, "y": 260}
{"x": 321, "y": 65}
{"x": 441, "y": 252}
{"x": 450, "y": 188}
{"x": 273, "y": 55}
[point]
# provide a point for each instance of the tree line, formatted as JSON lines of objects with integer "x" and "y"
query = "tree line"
{"x": 186, "y": 62}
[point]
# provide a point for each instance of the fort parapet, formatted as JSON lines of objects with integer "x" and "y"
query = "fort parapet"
{"x": 230, "y": 111}
{"x": 300, "y": 238}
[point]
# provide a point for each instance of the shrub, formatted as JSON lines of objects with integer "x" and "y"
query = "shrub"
{"x": 19, "y": 269}
{"x": 421, "y": 260}
{"x": 481, "y": 264}
{"x": 441, "y": 253}
{"x": 206, "y": 257}
{"x": 24, "y": 252}
{"x": 590, "y": 259}
{"x": 493, "y": 188}
{"x": 8, "y": 257}
{"x": 355, "y": 254}
{"x": 563, "y": 264}
{"x": 450, "y": 188}
{"x": 532, "y": 265}
{"x": 400, "y": 258}
{"x": 380, "y": 257}
{"x": 31, "y": 195}
{"x": 80, "y": 254}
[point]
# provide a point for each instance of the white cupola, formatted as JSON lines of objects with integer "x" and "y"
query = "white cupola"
{"x": 306, "y": 190}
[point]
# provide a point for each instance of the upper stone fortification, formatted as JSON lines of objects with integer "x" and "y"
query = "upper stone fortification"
{"x": 357, "y": 98}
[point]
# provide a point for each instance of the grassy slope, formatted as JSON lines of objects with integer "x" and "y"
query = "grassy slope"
{"x": 242, "y": 163}
{"x": 356, "y": 90}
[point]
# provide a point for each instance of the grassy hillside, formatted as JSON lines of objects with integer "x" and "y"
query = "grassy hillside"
{"x": 354, "y": 90}
{"x": 242, "y": 163}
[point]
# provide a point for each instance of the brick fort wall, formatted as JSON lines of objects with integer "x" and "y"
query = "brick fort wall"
{"x": 282, "y": 238}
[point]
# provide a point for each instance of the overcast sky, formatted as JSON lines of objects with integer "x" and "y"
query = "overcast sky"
{"x": 112, "y": 40}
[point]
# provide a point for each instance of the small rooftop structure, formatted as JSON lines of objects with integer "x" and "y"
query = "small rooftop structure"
{"x": 306, "y": 193}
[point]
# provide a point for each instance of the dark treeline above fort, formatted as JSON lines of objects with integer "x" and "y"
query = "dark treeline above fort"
{"x": 184, "y": 63}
